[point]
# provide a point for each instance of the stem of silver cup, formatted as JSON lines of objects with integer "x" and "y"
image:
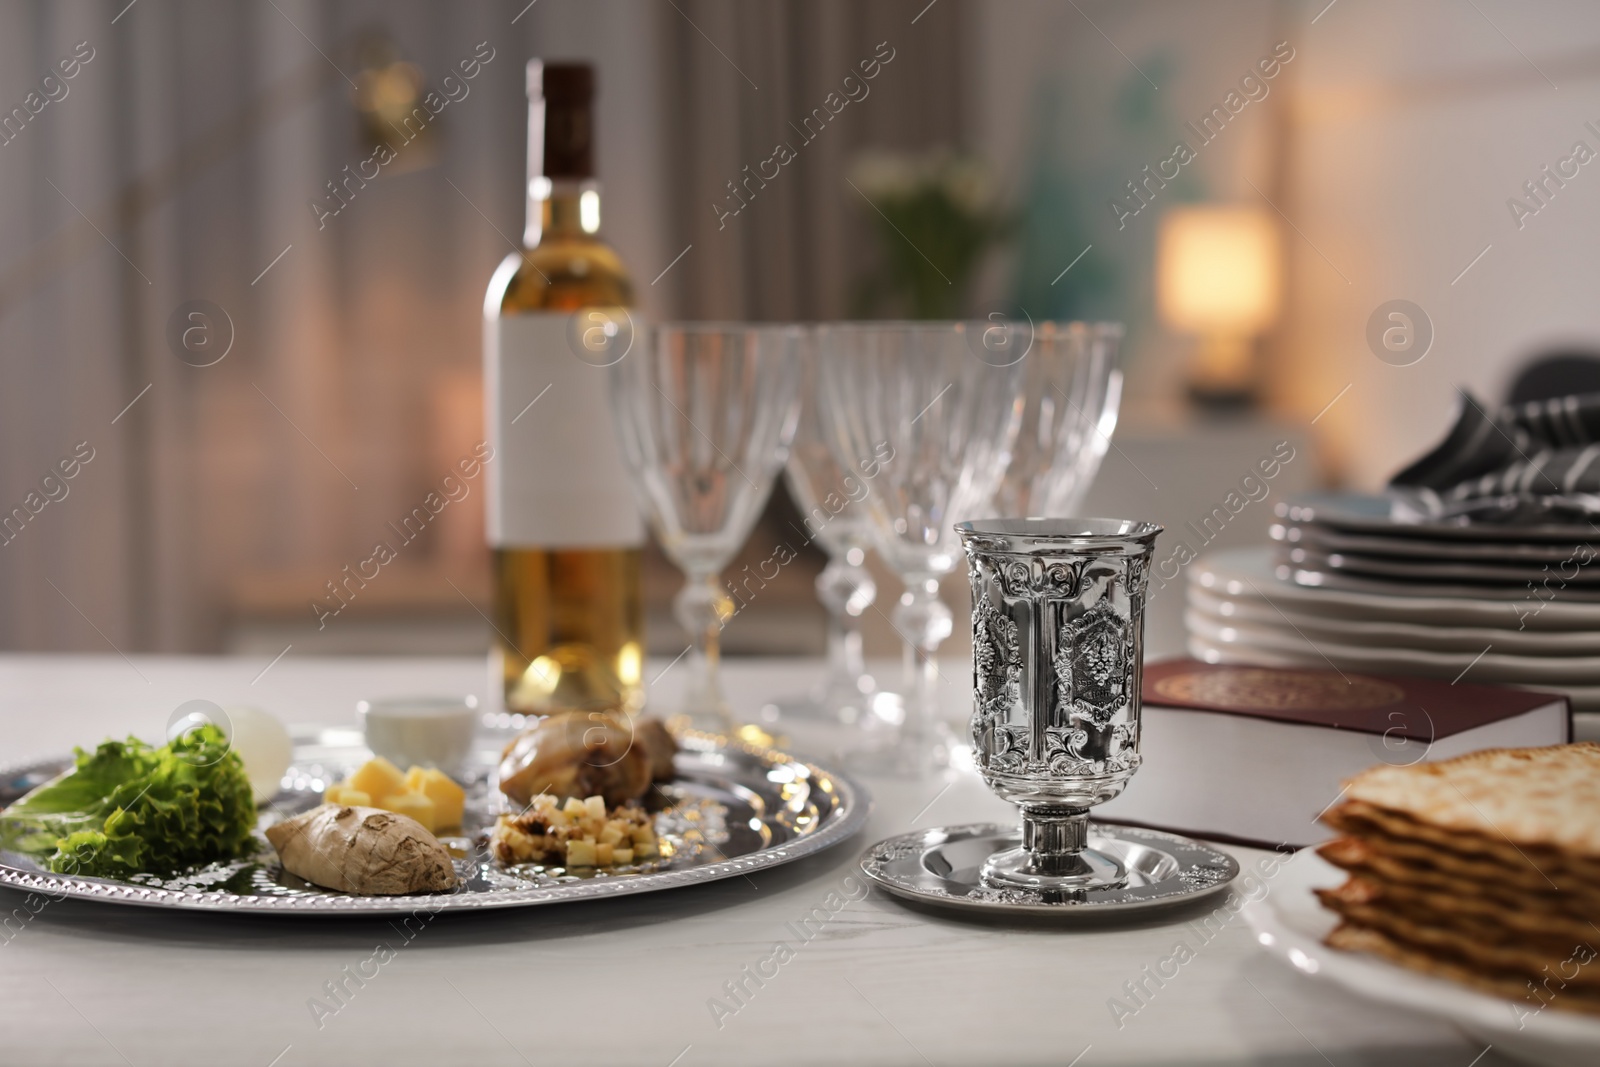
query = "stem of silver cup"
{"x": 1055, "y": 854}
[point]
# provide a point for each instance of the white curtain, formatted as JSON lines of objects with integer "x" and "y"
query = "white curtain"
{"x": 186, "y": 153}
{"x": 180, "y": 165}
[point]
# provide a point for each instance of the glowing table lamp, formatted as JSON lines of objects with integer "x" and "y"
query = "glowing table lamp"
{"x": 1218, "y": 277}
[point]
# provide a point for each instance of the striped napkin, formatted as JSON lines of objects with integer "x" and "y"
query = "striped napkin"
{"x": 1537, "y": 462}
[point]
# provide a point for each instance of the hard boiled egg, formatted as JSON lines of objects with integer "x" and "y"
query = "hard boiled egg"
{"x": 263, "y": 744}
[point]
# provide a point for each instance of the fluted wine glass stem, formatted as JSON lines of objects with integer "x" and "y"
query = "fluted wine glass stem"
{"x": 846, "y": 589}
{"x": 846, "y": 661}
{"x": 924, "y": 622}
{"x": 702, "y": 607}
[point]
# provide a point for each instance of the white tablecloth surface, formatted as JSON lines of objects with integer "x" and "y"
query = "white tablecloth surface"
{"x": 629, "y": 981}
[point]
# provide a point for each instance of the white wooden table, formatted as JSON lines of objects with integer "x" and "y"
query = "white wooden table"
{"x": 629, "y": 981}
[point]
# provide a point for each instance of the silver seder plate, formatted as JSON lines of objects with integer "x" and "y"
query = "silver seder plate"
{"x": 940, "y": 867}
{"x": 733, "y": 808}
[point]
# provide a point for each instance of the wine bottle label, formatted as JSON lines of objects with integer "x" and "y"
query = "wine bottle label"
{"x": 557, "y": 479}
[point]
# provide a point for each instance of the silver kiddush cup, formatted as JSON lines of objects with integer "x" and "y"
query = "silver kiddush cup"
{"x": 1058, "y": 651}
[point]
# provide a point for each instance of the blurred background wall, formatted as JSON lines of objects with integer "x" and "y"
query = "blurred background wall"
{"x": 181, "y": 162}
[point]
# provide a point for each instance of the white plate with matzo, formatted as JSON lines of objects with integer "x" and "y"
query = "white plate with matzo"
{"x": 1290, "y": 924}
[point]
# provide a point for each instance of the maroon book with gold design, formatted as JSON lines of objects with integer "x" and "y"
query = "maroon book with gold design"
{"x": 1255, "y": 754}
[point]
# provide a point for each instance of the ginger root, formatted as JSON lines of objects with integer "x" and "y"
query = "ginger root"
{"x": 362, "y": 850}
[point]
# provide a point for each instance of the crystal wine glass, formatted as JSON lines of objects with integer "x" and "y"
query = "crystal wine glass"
{"x": 929, "y": 417}
{"x": 831, "y": 498}
{"x": 1072, "y": 388}
{"x": 705, "y": 414}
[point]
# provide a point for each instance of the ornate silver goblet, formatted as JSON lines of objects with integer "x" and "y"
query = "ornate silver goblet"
{"x": 1058, "y": 650}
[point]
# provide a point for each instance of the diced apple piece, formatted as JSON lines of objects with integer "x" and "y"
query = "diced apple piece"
{"x": 642, "y": 833}
{"x": 611, "y": 835}
{"x": 580, "y": 854}
{"x": 449, "y": 799}
{"x": 622, "y": 855}
{"x": 514, "y": 838}
{"x": 596, "y": 807}
{"x": 574, "y": 808}
{"x": 378, "y": 778}
{"x": 644, "y": 850}
{"x": 416, "y": 805}
{"x": 602, "y": 855}
{"x": 353, "y": 798}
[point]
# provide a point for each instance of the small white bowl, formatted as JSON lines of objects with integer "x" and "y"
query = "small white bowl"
{"x": 425, "y": 731}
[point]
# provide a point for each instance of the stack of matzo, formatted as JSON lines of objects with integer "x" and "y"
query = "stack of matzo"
{"x": 1484, "y": 869}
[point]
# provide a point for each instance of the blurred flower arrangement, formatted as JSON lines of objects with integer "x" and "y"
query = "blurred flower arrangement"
{"x": 935, "y": 220}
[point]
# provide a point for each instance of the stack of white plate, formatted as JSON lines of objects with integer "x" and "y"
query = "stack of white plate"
{"x": 1349, "y": 541}
{"x": 1252, "y": 606}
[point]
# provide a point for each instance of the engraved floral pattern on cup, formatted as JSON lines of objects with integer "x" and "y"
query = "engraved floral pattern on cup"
{"x": 997, "y": 662}
{"x": 1091, "y": 663}
{"x": 1089, "y": 607}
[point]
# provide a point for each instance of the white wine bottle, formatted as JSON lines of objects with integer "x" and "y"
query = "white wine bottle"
{"x": 562, "y": 522}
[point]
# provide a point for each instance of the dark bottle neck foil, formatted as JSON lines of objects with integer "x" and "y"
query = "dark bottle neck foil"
{"x": 566, "y": 93}
{"x": 568, "y": 141}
